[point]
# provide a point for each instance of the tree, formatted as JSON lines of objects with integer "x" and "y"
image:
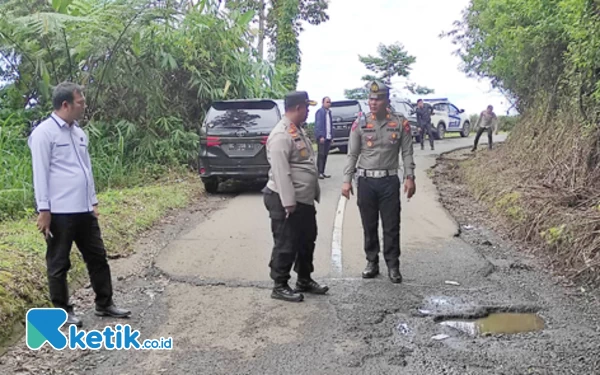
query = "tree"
{"x": 360, "y": 93}
{"x": 392, "y": 61}
{"x": 312, "y": 11}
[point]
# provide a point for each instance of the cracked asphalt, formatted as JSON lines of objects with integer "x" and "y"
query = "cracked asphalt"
{"x": 201, "y": 277}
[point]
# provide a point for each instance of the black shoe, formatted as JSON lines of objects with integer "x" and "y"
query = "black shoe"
{"x": 422, "y": 147}
{"x": 321, "y": 176}
{"x": 283, "y": 292}
{"x": 474, "y": 149}
{"x": 395, "y": 275}
{"x": 72, "y": 319}
{"x": 326, "y": 175}
{"x": 371, "y": 270}
{"x": 310, "y": 286}
{"x": 432, "y": 148}
{"x": 113, "y": 311}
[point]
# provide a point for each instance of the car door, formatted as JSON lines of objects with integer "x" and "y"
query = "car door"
{"x": 453, "y": 117}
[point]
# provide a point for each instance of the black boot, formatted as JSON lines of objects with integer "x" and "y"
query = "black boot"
{"x": 371, "y": 270}
{"x": 113, "y": 311}
{"x": 432, "y": 148}
{"x": 283, "y": 292}
{"x": 310, "y": 286}
{"x": 72, "y": 319}
{"x": 395, "y": 275}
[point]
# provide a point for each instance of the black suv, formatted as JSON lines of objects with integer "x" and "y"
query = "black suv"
{"x": 343, "y": 114}
{"x": 233, "y": 138}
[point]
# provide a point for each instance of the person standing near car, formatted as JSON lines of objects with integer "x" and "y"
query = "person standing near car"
{"x": 424, "y": 123}
{"x": 66, "y": 200}
{"x": 290, "y": 197}
{"x": 487, "y": 122}
{"x": 374, "y": 148}
{"x": 323, "y": 135}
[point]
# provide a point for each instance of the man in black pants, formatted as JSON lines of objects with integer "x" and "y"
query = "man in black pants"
{"x": 290, "y": 197}
{"x": 487, "y": 122}
{"x": 378, "y": 143}
{"x": 424, "y": 123}
{"x": 66, "y": 201}
{"x": 323, "y": 135}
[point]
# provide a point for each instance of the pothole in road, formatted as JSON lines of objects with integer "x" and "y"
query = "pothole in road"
{"x": 498, "y": 323}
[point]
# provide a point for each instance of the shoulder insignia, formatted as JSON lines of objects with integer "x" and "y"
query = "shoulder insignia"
{"x": 293, "y": 130}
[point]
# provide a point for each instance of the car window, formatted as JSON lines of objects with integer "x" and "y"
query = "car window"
{"x": 441, "y": 107}
{"x": 405, "y": 109}
{"x": 247, "y": 114}
{"x": 345, "y": 109}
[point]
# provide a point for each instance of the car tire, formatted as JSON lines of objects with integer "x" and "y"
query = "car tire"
{"x": 211, "y": 184}
{"x": 343, "y": 149}
{"x": 441, "y": 131}
{"x": 466, "y": 130}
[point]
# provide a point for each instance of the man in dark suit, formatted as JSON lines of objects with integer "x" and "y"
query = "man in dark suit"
{"x": 323, "y": 135}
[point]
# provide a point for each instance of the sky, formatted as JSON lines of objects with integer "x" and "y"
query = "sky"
{"x": 330, "y": 51}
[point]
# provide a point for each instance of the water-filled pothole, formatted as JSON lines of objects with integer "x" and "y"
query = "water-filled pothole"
{"x": 498, "y": 323}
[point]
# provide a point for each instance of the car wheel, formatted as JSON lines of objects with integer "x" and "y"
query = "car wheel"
{"x": 466, "y": 130}
{"x": 441, "y": 131}
{"x": 343, "y": 149}
{"x": 211, "y": 184}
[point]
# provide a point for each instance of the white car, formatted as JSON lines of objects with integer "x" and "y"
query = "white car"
{"x": 448, "y": 118}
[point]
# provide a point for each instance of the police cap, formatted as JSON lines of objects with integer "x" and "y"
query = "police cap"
{"x": 378, "y": 90}
{"x": 295, "y": 98}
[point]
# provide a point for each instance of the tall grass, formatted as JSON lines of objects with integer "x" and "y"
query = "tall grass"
{"x": 121, "y": 157}
{"x": 16, "y": 193}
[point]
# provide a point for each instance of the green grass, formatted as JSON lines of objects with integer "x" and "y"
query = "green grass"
{"x": 123, "y": 215}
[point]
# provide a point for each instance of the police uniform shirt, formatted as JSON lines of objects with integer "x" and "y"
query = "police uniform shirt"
{"x": 378, "y": 144}
{"x": 293, "y": 174}
{"x": 62, "y": 172}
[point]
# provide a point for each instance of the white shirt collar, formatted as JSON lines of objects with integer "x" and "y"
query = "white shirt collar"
{"x": 60, "y": 121}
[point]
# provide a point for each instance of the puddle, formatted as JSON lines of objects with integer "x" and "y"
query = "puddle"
{"x": 500, "y": 323}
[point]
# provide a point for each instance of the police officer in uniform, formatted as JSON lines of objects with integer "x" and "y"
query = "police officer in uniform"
{"x": 289, "y": 197}
{"x": 373, "y": 156}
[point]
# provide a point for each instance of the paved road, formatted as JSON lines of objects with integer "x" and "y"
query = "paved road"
{"x": 236, "y": 240}
{"x": 208, "y": 288}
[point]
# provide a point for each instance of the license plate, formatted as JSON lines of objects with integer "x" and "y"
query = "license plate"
{"x": 241, "y": 146}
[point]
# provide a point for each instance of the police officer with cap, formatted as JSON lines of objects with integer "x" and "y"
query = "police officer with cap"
{"x": 289, "y": 197}
{"x": 373, "y": 156}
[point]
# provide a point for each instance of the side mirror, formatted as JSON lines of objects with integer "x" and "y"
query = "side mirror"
{"x": 461, "y": 111}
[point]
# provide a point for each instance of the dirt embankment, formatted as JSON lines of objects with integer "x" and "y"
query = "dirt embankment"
{"x": 555, "y": 221}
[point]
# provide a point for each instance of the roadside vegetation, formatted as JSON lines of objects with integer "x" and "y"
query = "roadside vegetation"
{"x": 543, "y": 55}
{"x": 150, "y": 71}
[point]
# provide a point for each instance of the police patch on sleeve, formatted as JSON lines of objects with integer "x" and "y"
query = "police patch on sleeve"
{"x": 406, "y": 125}
{"x": 354, "y": 125}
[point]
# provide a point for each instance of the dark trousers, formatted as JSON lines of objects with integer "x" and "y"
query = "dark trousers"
{"x": 429, "y": 131}
{"x": 293, "y": 237}
{"x": 83, "y": 229}
{"x": 480, "y": 131}
{"x": 380, "y": 196}
{"x": 323, "y": 152}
